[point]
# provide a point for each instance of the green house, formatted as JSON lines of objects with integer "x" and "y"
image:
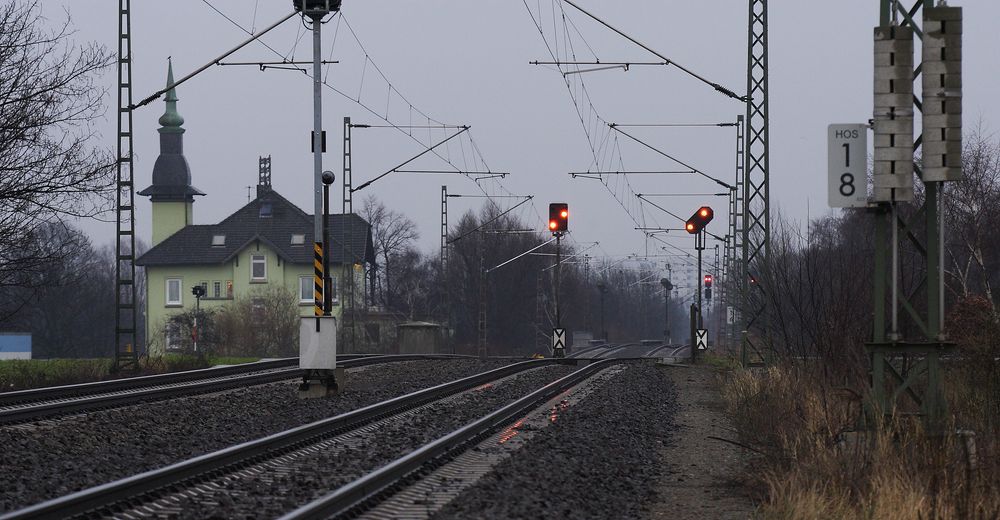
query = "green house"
{"x": 265, "y": 244}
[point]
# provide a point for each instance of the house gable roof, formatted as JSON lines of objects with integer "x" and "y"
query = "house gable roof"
{"x": 350, "y": 236}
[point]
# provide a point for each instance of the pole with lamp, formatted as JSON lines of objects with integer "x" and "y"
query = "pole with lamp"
{"x": 603, "y": 288}
{"x": 667, "y": 287}
{"x": 198, "y": 291}
{"x": 318, "y": 333}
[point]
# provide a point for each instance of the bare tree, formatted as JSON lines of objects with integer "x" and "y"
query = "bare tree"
{"x": 49, "y": 169}
{"x": 973, "y": 210}
{"x": 392, "y": 233}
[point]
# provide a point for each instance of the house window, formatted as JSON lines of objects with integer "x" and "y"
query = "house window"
{"x": 204, "y": 288}
{"x": 218, "y": 240}
{"x": 258, "y": 268}
{"x": 216, "y": 289}
{"x": 306, "y": 289}
{"x": 229, "y": 289}
{"x": 298, "y": 240}
{"x": 174, "y": 292}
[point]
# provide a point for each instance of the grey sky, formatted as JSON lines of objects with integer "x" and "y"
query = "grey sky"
{"x": 466, "y": 62}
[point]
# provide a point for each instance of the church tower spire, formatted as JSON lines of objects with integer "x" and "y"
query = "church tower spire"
{"x": 171, "y": 193}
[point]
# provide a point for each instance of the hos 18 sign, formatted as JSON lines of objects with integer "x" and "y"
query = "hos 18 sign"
{"x": 847, "y": 157}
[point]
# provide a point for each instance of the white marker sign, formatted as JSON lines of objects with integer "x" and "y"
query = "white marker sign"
{"x": 558, "y": 339}
{"x": 847, "y": 159}
{"x": 701, "y": 339}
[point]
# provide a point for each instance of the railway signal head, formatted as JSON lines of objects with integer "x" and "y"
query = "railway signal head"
{"x": 558, "y": 217}
{"x": 699, "y": 220}
{"x": 708, "y": 281}
{"x": 198, "y": 291}
{"x": 311, "y": 7}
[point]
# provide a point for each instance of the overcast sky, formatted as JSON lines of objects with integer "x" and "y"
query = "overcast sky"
{"x": 466, "y": 62}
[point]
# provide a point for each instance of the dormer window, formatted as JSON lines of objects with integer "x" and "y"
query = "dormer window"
{"x": 298, "y": 240}
{"x": 218, "y": 240}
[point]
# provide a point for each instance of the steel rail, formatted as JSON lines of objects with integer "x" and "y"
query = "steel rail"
{"x": 613, "y": 349}
{"x": 117, "y": 385}
{"x": 114, "y": 398}
{"x": 588, "y": 348}
{"x": 361, "y": 492}
{"x": 108, "y": 495}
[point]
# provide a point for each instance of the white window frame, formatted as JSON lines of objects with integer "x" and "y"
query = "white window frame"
{"x": 335, "y": 299}
{"x": 179, "y": 302}
{"x": 308, "y": 280}
{"x": 217, "y": 289}
{"x": 254, "y": 259}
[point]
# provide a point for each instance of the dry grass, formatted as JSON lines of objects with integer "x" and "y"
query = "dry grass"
{"x": 818, "y": 464}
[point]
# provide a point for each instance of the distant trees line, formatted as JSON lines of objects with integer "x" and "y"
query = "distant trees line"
{"x": 520, "y": 296}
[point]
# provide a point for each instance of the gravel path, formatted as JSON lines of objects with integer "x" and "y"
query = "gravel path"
{"x": 599, "y": 460}
{"x": 274, "y": 488}
{"x": 67, "y": 455}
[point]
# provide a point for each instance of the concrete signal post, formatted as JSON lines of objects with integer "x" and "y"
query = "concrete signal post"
{"x": 318, "y": 333}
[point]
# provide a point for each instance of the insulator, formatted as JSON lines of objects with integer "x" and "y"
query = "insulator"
{"x": 941, "y": 74}
{"x": 893, "y": 116}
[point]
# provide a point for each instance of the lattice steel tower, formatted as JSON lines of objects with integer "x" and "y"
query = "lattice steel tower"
{"x": 756, "y": 189}
{"x": 126, "y": 322}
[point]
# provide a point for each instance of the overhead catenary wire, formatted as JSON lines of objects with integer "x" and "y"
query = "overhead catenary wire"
{"x": 340, "y": 92}
{"x": 492, "y": 220}
{"x": 725, "y": 91}
{"x": 253, "y": 37}
{"x": 672, "y": 158}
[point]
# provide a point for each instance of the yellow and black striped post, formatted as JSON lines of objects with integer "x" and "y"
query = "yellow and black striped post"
{"x": 318, "y": 277}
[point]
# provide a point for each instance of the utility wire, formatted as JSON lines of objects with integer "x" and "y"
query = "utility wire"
{"x": 725, "y": 91}
{"x": 672, "y": 158}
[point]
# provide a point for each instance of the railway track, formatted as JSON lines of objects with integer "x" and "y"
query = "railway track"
{"x": 30, "y": 405}
{"x": 375, "y": 487}
{"x": 138, "y": 495}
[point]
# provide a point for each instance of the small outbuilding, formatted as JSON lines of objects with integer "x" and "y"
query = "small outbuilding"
{"x": 422, "y": 337}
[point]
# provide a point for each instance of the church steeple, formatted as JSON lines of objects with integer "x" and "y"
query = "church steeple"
{"x": 171, "y": 193}
{"x": 171, "y": 121}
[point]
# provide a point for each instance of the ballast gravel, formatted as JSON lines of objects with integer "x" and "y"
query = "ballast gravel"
{"x": 305, "y": 478}
{"x": 55, "y": 458}
{"x": 597, "y": 461}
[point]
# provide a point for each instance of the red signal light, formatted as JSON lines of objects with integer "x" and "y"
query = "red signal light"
{"x": 699, "y": 220}
{"x": 708, "y": 280}
{"x": 558, "y": 217}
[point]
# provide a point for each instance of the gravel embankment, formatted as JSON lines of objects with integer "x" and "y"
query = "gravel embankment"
{"x": 599, "y": 460}
{"x": 306, "y": 478}
{"x": 71, "y": 454}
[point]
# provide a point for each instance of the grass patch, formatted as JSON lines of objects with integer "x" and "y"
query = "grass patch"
{"x": 721, "y": 361}
{"x": 21, "y": 374}
{"x": 24, "y": 374}
{"x": 815, "y": 463}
